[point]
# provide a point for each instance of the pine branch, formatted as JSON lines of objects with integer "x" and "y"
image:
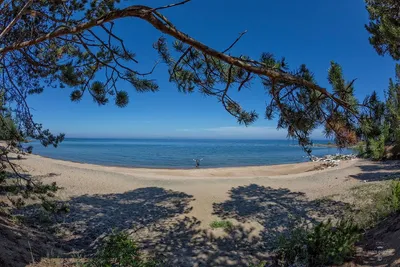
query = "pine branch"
{"x": 148, "y": 14}
{"x": 235, "y": 42}
{"x": 15, "y": 20}
{"x": 171, "y": 5}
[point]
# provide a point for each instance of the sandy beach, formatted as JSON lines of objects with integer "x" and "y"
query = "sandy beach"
{"x": 206, "y": 186}
{"x": 169, "y": 210}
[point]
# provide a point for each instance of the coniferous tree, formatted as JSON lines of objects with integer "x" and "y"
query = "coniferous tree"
{"x": 373, "y": 127}
{"x": 380, "y": 121}
{"x": 74, "y": 44}
{"x": 67, "y": 43}
{"x": 384, "y": 26}
{"x": 393, "y": 108}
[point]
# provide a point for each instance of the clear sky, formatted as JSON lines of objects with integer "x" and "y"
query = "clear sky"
{"x": 313, "y": 32}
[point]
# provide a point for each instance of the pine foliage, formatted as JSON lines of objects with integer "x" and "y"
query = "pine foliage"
{"x": 380, "y": 121}
{"x": 73, "y": 44}
{"x": 384, "y": 26}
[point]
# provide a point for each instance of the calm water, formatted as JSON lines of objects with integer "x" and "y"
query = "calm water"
{"x": 180, "y": 153}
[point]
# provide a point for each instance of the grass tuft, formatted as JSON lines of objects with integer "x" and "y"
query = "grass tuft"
{"x": 225, "y": 225}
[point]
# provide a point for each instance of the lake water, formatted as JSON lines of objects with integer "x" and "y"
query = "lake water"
{"x": 173, "y": 153}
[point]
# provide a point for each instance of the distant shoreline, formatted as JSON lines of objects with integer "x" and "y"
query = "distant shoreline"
{"x": 329, "y": 145}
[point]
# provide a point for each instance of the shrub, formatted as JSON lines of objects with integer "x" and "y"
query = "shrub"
{"x": 320, "y": 245}
{"x": 395, "y": 195}
{"x": 120, "y": 251}
{"x": 374, "y": 202}
{"x": 361, "y": 149}
{"x": 377, "y": 148}
{"x": 260, "y": 264}
{"x": 226, "y": 225}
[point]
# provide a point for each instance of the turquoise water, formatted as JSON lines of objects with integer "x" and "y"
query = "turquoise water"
{"x": 173, "y": 153}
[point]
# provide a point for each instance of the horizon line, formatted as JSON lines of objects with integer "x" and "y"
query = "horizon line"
{"x": 195, "y": 138}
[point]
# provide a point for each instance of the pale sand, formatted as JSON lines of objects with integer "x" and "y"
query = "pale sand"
{"x": 207, "y": 186}
{"x": 177, "y": 206}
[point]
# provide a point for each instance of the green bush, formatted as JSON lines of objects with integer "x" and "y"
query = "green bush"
{"x": 260, "y": 264}
{"x": 395, "y": 195}
{"x": 320, "y": 245}
{"x": 226, "y": 225}
{"x": 9, "y": 129}
{"x": 119, "y": 251}
{"x": 375, "y": 202}
{"x": 377, "y": 148}
{"x": 361, "y": 149}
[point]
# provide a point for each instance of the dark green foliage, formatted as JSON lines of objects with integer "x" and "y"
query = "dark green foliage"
{"x": 384, "y": 26}
{"x": 52, "y": 207}
{"x": 393, "y": 107}
{"x": 395, "y": 196}
{"x": 8, "y": 127}
{"x": 119, "y": 250}
{"x": 141, "y": 85}
{"x": 9, "y": 130}
{"x": 122, "y": 99}
{"x": 376, "y": 149}
{"x": 98, "y": 91}
{"x": 383, "y": 129}
{"x": 322, "y": 245}
{"x": 20, "y": 188}
{"x": 76, "y": 95}
{"x": 380, "y": 122}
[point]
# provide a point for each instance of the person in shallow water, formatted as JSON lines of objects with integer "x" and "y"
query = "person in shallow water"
{"x": 197, "y": 161}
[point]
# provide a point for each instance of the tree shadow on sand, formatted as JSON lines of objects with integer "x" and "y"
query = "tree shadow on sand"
{"x": 185, "y": 244}
{"x": 275, "y": 209}
{"x": 379, "y": 171}
{"x": 154, "y": 218}
{"x": 92, "y": 217}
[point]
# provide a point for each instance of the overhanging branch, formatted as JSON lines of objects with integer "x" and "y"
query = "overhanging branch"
{"x": 149, "y": 14}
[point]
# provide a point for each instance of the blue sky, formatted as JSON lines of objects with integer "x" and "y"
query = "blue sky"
{"x": 313, "y": 32}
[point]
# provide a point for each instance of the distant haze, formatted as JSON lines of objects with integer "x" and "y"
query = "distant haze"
{"x": 226, "y": 132}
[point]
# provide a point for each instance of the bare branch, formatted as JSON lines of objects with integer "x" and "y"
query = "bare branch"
{"x": 109, "y": 31}
{"x": 180, "y": 59}
{"x": 248, "y": 78}
{"x": 12, "y": 23}
{"x": 233, "y": 44}
{"x": 171, "y": 5}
